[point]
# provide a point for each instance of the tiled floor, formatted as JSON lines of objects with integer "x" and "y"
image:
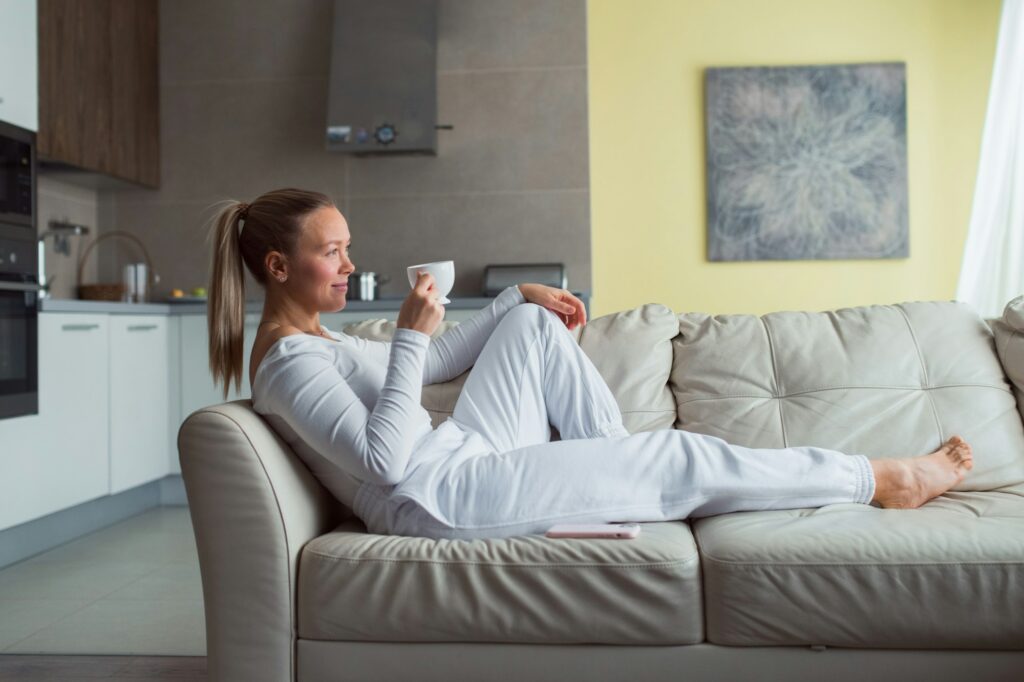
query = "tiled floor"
{"x": 131, "y": 588}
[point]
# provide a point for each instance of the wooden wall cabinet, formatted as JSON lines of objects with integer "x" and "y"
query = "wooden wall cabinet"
{"x": 99, "y": 90}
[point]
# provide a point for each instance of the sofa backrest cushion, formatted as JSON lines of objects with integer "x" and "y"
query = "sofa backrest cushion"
{"x": 1008, "y": 331}
{"x": 879, "y": 380}
{"x": 632, "y": 350}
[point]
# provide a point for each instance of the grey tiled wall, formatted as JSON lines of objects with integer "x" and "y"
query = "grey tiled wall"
{"x": 243, "y": 108}
{"x": 68, "y": 203}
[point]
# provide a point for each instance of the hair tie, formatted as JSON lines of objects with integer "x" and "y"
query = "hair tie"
{"x": 244, "y": 212}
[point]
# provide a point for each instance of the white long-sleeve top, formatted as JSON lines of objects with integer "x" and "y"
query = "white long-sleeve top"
{"x": 351, "y": 408}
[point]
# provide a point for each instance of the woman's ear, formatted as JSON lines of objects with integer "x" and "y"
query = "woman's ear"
{"x": 277, "y": 264}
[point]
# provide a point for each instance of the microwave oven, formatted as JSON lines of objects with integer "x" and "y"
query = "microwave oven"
{"x": 17, "y": 181}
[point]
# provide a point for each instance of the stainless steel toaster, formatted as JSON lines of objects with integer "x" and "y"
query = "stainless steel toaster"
{"x": 498, "y": 277}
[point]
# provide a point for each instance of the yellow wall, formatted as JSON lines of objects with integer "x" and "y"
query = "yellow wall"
{"x": 646, "y": 61}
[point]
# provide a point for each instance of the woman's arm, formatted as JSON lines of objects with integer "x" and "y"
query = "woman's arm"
{"x": 454, "y": 351}
{"x": 309, "y": 393}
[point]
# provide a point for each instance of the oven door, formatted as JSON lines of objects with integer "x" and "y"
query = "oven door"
{"x": 19, "y": 366}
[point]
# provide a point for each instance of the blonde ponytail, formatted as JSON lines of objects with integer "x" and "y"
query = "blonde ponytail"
{"x": 242, "y": 236}
{"x": 225, "y": 309}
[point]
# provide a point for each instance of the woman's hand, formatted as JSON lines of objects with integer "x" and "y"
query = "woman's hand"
{"x": 421, "y": 311}
{"x": 559, "y": 301}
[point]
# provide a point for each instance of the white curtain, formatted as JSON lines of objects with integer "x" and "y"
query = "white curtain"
{"x": 992, "y": 271}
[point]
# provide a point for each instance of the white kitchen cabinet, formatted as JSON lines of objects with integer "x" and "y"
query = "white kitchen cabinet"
{"x": 197, "y": 389}
{"x": 173, "y": 392}
{"x": 139, "y": 387}
{"x": 59, "y": 457}
{"x": 19, "y": 90}
{"x": 21, "y": 463}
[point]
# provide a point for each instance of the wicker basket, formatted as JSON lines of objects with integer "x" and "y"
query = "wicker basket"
{"x": 111, "y": 291}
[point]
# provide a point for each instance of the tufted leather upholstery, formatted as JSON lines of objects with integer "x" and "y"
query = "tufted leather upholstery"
{"x": 282, "y": 562}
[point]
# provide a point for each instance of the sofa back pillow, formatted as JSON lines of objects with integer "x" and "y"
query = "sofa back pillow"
{"x": 632, "y": 350}
{"x": 879, "y": 380}
{"x": 1008, "y": 331}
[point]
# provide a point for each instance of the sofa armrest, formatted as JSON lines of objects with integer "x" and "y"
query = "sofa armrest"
{"x": 254, "y": 505}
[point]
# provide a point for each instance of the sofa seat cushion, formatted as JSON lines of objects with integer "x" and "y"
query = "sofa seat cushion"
{"x": 949, "y": 574}
{"x": 353, "y": 585}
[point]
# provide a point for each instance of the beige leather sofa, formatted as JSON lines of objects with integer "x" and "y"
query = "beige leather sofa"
{"x": 296, "y": 589}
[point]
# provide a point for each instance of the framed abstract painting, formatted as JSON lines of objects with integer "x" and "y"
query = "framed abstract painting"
{"x": 807, "y": 162}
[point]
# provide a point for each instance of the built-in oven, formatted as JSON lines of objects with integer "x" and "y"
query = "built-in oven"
{"x": 19, "y": 274}
{"x": 19, "y": 329}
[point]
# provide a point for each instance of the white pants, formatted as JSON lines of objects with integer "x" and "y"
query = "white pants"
{"x": 531, "y": 375}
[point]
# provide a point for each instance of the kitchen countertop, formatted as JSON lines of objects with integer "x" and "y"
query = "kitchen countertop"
{"x": 71, "y": 305}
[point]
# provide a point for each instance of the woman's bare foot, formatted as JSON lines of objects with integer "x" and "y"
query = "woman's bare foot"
{"x": 907, "y": 483}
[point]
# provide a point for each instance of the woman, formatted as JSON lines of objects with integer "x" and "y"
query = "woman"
{"x": 350, "y": 408}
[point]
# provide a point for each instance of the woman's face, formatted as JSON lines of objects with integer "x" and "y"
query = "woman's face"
{"x": 321, "y": 270}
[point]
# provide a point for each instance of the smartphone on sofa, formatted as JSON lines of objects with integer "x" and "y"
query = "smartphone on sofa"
{"x": 593, "y": 530}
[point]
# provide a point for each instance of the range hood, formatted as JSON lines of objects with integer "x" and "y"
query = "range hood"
{"x": 382, "y": 95}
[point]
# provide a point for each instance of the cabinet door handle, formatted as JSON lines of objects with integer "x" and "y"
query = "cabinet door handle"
{"x": 79, "y": 327}
{"x": 141, "y": 327}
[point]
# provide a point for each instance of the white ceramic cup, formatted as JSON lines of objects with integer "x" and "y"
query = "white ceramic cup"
{"x": 444, "y": 277}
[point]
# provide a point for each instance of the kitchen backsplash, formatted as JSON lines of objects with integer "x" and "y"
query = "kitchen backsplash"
{"x": 68, "y": 203}
{"x": 242, "y": 111}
